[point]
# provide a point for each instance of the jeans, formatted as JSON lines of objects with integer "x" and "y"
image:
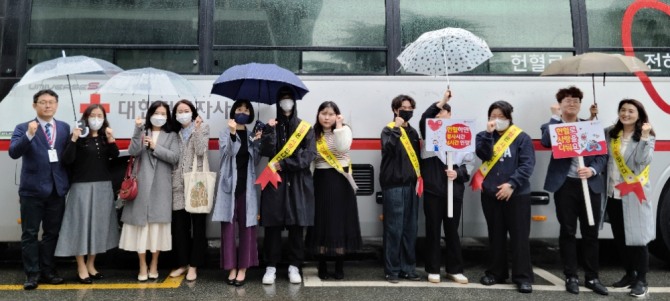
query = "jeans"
{"x": 400, "y": 208}
{"x": 38, "y": 256}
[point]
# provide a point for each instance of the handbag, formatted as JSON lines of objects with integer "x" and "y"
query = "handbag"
{"x": 199, "y": 187}
{"x": 128, "y": 190}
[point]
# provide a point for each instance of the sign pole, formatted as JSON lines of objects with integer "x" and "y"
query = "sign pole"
{"x": 450, "y": 186}
{"x": 587, "y": 196}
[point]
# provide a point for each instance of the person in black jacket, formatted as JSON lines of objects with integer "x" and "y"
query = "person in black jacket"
{"x": 506, "y": 197}
{"x": 291, "y": 205}
{"x": 564, "y": 180}
{"x": 436, "y": 175}
{"x": 398, "y": 179}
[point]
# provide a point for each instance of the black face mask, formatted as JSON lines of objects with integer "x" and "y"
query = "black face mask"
{"x": 242, "y": 118}
{"x": 405, "y": 115}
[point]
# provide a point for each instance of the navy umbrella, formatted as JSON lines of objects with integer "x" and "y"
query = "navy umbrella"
{"x": 257, "y": 82}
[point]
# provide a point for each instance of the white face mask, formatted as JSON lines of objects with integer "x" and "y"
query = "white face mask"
{"x": 95, "y": 123}
{"x": 501, "y": 125}
{"x": 286, "y": 105}
{"x": 158, "y": 120}
{"x": 184, "y": 118}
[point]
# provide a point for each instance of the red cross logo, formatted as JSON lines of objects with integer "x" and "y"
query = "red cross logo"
{"x": 95, "y": 99}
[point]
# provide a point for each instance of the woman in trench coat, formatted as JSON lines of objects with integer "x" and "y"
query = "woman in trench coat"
{"x": 630, "y": 213}
{"x": 146, "y": 219}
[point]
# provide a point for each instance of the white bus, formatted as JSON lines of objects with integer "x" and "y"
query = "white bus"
{"x": 347, "y": 56}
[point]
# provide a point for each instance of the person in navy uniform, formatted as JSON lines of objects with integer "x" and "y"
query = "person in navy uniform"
{"x": 44, "y": 182}
{"x": 564, "y": 179}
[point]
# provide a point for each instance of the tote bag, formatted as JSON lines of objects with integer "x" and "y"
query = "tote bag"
{"x": 199, "y": 187}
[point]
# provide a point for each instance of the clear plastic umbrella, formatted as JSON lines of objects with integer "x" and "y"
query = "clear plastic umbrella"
{"x": 66, "y": 66}
{"x": 150, "y": 82}
{"x": 444, "y": 51}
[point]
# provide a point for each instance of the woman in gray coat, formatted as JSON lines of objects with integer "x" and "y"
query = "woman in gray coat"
{"x": 236, "y": 199}
{"x": 189, "y": 239}
{"x": 146, "y": 220}
{"x": 629, "y": 211}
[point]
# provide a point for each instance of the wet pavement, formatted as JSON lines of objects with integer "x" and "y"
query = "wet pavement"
{"x": 363, "y": 281}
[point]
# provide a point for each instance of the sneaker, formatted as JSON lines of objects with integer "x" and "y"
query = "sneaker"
{"x": 458, "y": 278}
{"x": 294, "y": 274}
{"x": 434, "y": 278}
{"x": 410, "y": 276}
{"x": 596, "y": 286}
{"x": 270, "y": 275}
{"x": 639, "y": 289}
{"x": 392, "y": 278}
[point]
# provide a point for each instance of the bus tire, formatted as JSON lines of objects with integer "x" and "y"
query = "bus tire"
{"x": 660, "y": 247}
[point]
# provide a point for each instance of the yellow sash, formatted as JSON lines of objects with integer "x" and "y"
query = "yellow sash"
{"x": 498, "y": 150}
{"x": 270, "y": 174}
{"x": 329, "y": 157}
{"x": 633, "y": 183}
{"x": 404, "y": 139}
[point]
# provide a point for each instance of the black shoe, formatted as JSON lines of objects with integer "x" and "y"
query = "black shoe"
{"x": 31, "y": 283}
{"x": 339, "y": 270}
{"x": 238, "y": 283}
{"x": 572, "y": 285}
{"x": 86, "y": 280}
{"x": 98, "y": 276}
{"x": 410, "y": 276}
{"x": 626, "y": 281}
{"x": 639, "y": 289}
{"x": 488, "y": 280}
{"x": 524, "y": 287}
{"x": 52, "y": 278}
{"x": 323, "y": 270}
{"x": 596, "y": 286}
{"x": 392, "y": 278}
{"x": 230, "y": 281}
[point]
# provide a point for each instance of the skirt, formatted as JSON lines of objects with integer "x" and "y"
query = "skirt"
{"x": 336, "y": 229}
{"x": 152, "y": 237}
{"x": 89, "y": 222}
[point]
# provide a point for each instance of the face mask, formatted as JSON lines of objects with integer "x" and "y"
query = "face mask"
{"x": 501, "y": 125}
{"x": 405, "y": 115}
{"x": 242, "y": 118}
{"x": 286, "y": 105}
{"x": 95, "y": 123}
{"x": 184, "y": 118}
{"x": 158, "y": 120}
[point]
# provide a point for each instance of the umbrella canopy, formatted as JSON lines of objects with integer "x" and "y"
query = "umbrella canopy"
{"x": 149, "y": 82}
{"x": 444, "y": 51}
{"x": 595, "y": 62}
{"x": 67, "y": 65}
{"x": 257, "y": 82}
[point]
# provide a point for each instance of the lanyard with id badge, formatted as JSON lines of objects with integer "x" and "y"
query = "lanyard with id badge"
{"x": 53, "y": 155}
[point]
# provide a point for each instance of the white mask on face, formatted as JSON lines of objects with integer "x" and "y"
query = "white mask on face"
{"x": 286, "y": 105}
{"x": 184, "y": 118}
{"x": 501, "y": 125}
{"x": 158, "y": 120}
{"x": 95, "y": 123}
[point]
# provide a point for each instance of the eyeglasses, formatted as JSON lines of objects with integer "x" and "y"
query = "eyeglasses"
{"x": 571, "y": 101}
{"x": 44, "y": 103}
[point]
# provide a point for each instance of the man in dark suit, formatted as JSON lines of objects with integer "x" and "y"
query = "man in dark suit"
{"x": 44, "y": 183}
{"x": 564, "y": 180}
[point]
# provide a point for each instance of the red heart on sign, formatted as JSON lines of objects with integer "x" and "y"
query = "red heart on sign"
{"x": 627, "y": 40}
{"x": 434, "y": 124}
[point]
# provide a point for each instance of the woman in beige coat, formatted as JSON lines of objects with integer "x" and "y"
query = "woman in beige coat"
{"x": 628, "y": 205}
{"x": 188, "y": 229}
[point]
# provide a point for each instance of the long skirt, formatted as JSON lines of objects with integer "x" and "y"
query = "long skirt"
{"x": 151, "y": 237}
{"x": 336, "y": 229}
{"x": 89, "y": 223}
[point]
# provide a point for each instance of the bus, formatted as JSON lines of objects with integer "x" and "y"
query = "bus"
{"x": 345, "y": 51}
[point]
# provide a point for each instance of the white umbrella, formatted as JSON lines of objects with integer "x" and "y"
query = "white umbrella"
{"x": 66, "y": 66}
{"x": 444, "y": 51}
{"x": 149, "y": 82}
